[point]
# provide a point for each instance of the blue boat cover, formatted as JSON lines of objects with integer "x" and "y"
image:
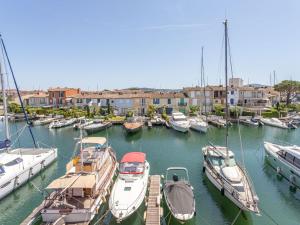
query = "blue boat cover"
{"x": 5, "y": 144}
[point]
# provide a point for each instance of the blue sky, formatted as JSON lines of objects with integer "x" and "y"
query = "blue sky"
{"x": 157, "y": 43}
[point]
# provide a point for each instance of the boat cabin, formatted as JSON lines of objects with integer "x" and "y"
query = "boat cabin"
{"x": 133, "y": 163}
{"x": 291, "y": 156}
{"x": 79, "y": 186}
{"x": 92, "y": 149}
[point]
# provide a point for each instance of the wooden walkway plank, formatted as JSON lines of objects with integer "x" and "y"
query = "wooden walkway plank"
{"x": 153, "y": 203}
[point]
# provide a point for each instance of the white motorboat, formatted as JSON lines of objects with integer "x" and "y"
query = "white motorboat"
{"x": 43, "y": 121}
{"x": 96, "y": 127}
{"x": 250, "y": 121}
{"x": 286, "y": 160}
{"x": 62, "y": 123}
{"x": 18, "y": 165}
{"x": 179, "y": 122}
{"x": 78, "y": 195}
{"x": 221, "y": 168}
{"x": 130, "y": 187}
{"x": 274, "y": 122}
{"x": 198, "y": 124}
{"x": 83, "y": 123}
{"x": 179, "y": 195}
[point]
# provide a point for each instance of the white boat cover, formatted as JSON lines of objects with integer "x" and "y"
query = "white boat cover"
{"x": 94, "y": 140}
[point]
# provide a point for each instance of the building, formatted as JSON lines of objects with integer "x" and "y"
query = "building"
{"x": 61, "y": 97}
{"x": 135, "y": 101}
{"x": 196, "y": 97}
{"x": 40, "y": 99}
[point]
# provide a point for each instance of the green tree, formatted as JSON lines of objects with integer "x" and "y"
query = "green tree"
{"x": 151, "y": 111}
{"x": 194, "y": 109}
{"x": 287, "y": 87}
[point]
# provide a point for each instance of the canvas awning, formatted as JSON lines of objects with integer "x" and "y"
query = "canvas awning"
{"x": 74, "y": 181}
{"x": 139, "y": 157}
{"x": 94, "y": 140}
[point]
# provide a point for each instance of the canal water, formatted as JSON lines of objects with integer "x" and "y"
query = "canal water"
{"x": 166, "y": 148}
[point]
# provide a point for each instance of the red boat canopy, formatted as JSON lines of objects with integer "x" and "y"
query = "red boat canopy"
{"x": 139, "y": 157}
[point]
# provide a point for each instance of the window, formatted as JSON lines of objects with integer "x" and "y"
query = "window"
{"x": 14, "y": 162}
{"x": 232, "y": 92}
{"x": 156, "y": 101}
{"x": 297, "y": 162}
{"x": 231, "y": 101}
{"x": 2, "y": 171}
{"x": 289, "y": 157}
{"x": 169, "y": 101}
{"x": 131, "y": 168}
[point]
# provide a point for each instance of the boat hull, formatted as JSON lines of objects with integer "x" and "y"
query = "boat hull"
{"x": 282, "y": 167}
{"x": 25, "y": 175}
{"x": 228, "y": 194}
{"x": 182, "y": 129}
{"x": 126, "y": 211}
{"x": 199, "y": 128}
{"x": 97, "y": 129}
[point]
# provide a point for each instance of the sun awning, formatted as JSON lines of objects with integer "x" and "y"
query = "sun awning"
{"x": 139, "y": 157}
{"x": 74, "y": 181}
{"x": 94, "y": 140}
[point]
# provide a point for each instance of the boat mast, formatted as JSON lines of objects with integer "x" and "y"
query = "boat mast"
{"x": 4, "y": 103}
{"x": 226, "y": 88}
{"x": 18, "y": 92}
{"x": 203, "y": 81}
{"x": 81, "y": 147}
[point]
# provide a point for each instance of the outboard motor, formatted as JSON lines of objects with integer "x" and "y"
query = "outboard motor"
{"x": 175, "y": 177}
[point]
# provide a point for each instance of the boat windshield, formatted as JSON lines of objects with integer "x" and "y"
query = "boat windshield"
{"x": 2, "y": 171}
{"x": 131, "y": 168}
{"x": 220, "y": 161}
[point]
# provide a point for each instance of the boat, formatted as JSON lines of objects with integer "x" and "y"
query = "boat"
{"x": 82, "y": 123}
{"x": 133, "y": 125}
{"x": 198, "y": 124}
{"x": 178, "y": 194}
{"x": 43, "y": 121}
{"x": 62, "y": 123}
{"x": 96, "y": 127}
{"x": 156, "y": 120}
{"x": 78, "y": 195}
{"x": 19, "y": 165}
{"x": 250, "y": 121}
{"x": 130, "y": 187}
{"x": 179, "y": 122}
{"x": 217, "y": 121}
{"x": 274, "y": 122}
{"x": 221, "y": 168}
{"x": 286, "y": 160}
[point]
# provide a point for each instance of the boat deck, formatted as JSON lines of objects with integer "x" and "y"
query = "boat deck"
{"x": 153, "y": 212}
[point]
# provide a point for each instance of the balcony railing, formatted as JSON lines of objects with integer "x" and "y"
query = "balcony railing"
{"x": 182, "y": 104}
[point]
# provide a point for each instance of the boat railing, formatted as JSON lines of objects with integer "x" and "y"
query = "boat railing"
{"x": 250, "y": 183}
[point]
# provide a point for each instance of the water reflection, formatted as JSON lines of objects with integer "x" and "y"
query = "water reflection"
{"x": 228, "y": 209}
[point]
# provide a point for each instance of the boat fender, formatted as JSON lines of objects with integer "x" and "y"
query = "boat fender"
{"x": 203, "y": 169}
{"x": 278, "y": 170}
{"x": 222, "y": 191}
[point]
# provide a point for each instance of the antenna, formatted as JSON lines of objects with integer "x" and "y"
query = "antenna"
{"x": 274, "y": 74}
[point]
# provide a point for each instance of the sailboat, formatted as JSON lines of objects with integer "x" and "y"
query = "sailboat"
{"x": 197, "y": 123}
{"x": 224, "y": 172}
{"x": 18, "y": 165}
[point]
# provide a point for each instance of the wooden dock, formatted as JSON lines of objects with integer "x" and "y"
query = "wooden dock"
{"x": 153, "y": 212}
